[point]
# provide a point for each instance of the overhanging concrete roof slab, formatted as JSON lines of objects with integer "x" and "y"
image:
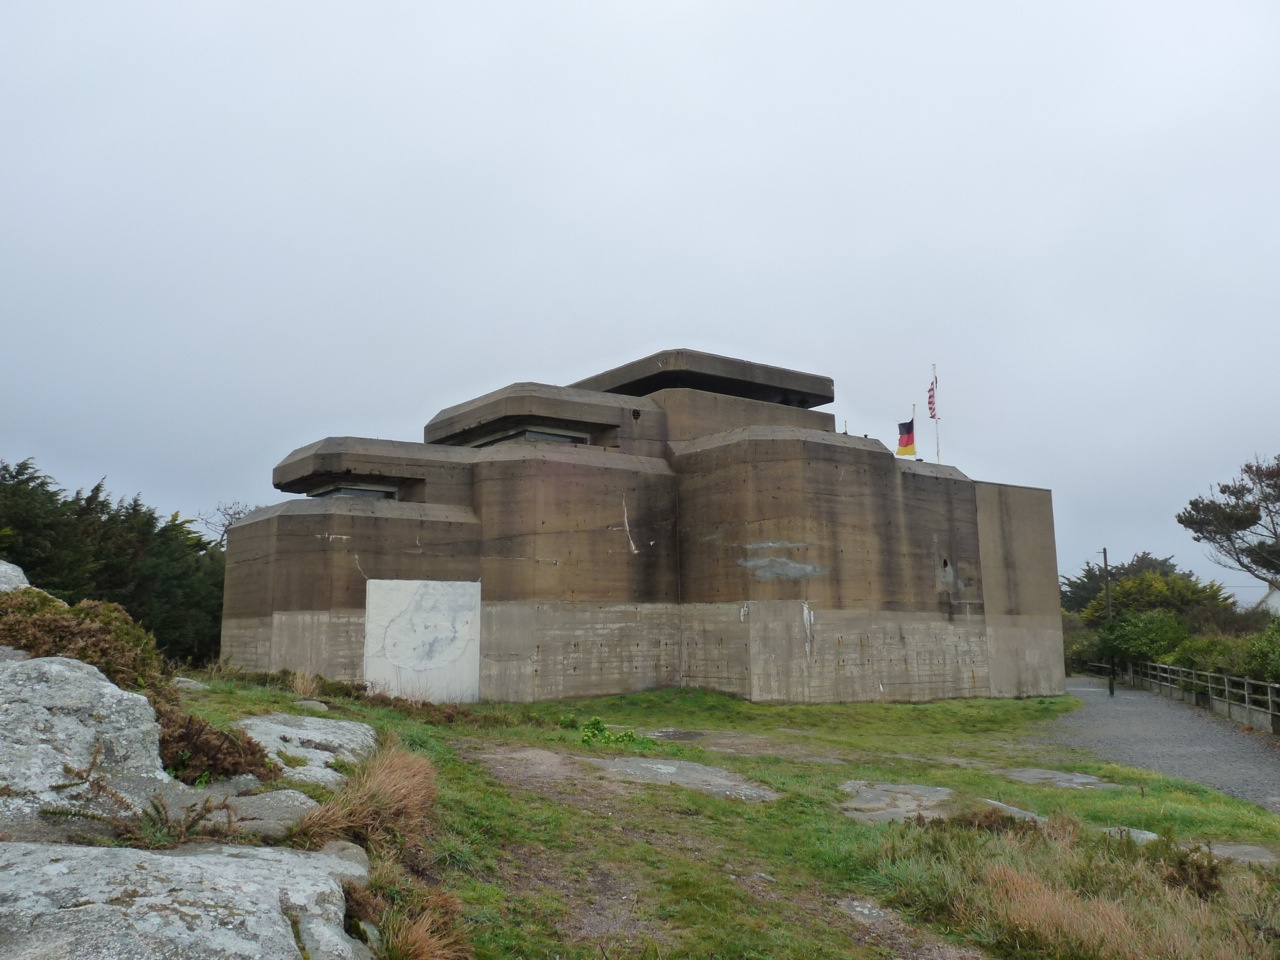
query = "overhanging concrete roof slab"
{"x": 361, "y": 458}
{"x": 714, "y": 374}
{"x": 530, "y": 403}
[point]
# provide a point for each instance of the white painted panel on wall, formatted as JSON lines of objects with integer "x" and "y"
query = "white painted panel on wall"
{"x": 422, "y": 639}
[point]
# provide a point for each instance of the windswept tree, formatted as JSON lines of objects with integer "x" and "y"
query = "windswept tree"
{"x": 1183, "y": 595}
{"x": 85, "y": 546}
{"x": 1241, "y": 524}
{"x": 219, "y": 520}
{"x": 1079, "y": 591}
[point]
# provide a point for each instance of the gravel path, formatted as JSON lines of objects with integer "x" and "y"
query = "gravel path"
{"x": 1142, "y": 729}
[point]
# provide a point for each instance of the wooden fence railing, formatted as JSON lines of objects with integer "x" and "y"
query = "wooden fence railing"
{"x": 1252, "y": 702}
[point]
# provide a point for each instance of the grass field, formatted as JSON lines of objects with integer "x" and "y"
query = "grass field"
{"x": 546, "y": 857}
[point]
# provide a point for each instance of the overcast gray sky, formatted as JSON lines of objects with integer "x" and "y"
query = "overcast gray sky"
{"x": 228, "y": 230}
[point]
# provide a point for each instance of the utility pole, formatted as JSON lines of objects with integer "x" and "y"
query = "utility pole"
{"x": 1106, "y": 587}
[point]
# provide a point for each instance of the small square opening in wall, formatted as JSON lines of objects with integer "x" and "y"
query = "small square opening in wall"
{"x": 422, "y": 639}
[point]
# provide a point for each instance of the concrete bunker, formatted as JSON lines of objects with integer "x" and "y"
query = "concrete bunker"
{"x": 685, "y": 519}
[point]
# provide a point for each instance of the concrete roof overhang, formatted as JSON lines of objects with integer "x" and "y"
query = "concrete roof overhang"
{"x": 714, "y": 374}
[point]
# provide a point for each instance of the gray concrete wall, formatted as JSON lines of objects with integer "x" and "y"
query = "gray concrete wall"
{"x": 541, "y": 651}
{"x": 789, "y": 651}
{"x": 806, "y": 655}
{"x": 1020, "y": 591}
{"x": 715, "y": 532}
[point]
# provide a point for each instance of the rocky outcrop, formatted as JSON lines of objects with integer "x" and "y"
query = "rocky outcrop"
{"x": 306, "y": 746}
{"x": 11, "y": 577}
{"x": 62, "y": 721}
{"x": 199, "y": 902}
{"x": 71, "y": 741}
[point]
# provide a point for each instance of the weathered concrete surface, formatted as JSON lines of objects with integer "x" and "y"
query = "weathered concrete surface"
{"x": 794, "y": 651}
{"x": 695, "y": 413}
{"x": 539, "y": 651}
{"x": 681, "y": 773}
{"x": 632, "y": 425}
{"x": 708, "y": 372}
{"x": 626, "y": 556}
{"x": 306, "y": 746}
{"x": 200, "y": 902}
{"x": 1020, "y": 590}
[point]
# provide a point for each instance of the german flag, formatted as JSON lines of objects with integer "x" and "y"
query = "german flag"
{"x": 907, "y": 438}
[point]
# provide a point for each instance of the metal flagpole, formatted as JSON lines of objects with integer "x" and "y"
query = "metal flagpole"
{"x": 933, "y": 415}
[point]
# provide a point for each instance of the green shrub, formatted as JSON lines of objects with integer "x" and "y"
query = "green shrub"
{"x": 1179, "y": 593}
{"x": 594, "y": 731}
{"x": 101, "y": 634}
{"x": 105, "y": 636}
{"x": 1142, "y": 636}
{"x": 1262, "y": 654}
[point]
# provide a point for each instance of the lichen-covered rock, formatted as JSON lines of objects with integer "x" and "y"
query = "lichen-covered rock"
{"x": 305, "y": 746}
{"x": 58, "y": 716}
{"x": 11, "y": 577}
{"x": 12, "y": 655}
{"x": 196, "y": 903}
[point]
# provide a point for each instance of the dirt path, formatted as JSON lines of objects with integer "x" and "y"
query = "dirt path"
{"x": 603, "y": 903}
{"x": 1142, "y": 729}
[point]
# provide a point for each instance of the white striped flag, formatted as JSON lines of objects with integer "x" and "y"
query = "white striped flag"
{"x": 933, "y": 399}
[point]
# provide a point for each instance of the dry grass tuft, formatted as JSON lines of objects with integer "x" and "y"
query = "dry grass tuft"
{"x": 1058, "y": 891}
{"x": 305, "y": 685}
{"x": 424, "y": 935}
{"x": 390, "y": 799}
{"x": 387, "y": 805}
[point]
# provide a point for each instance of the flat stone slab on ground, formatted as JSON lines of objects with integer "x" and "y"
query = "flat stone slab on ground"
{"x": 1016, "y": 811}
{"x": 695, "y": 776}
{"x": 1244, "y": 852}
{"x": 1057, "y": 778}
{"x": 872, "y": 802}
{"x": 311, "y": 744}
{"x": 884, "y": 930}
{"x": 203, "y": 901}
{"x": 676, "y": 735}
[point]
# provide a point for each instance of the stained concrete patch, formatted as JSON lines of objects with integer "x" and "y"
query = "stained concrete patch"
{"x": 1057, "y": 778}
{"x": 682, "y": 773}
{"x": 871, "y": 802}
